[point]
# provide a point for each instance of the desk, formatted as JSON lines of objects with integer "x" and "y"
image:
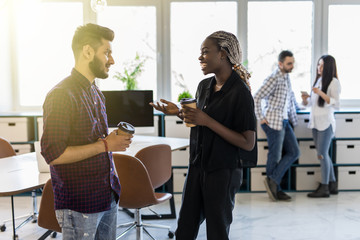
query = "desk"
{"x": 19, "y": 174}
{"x": 140, "y": 142}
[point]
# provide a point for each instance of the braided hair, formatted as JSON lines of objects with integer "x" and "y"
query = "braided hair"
{"x": 229, "y": 43}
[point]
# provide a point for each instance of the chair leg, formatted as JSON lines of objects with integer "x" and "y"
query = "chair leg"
{"x": 139, "y": 227}
{"x": 126, "y": 231}
{"x": 125, "y": 225}
{"x": 147, "y": 233}
{"x": 156, "y": 226}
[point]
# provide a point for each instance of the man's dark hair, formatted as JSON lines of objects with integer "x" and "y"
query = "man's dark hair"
{"x": 90, "y": 34}
{"x": 284, "y": 54}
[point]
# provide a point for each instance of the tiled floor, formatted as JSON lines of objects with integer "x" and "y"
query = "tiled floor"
{"x": 255, "y": 218}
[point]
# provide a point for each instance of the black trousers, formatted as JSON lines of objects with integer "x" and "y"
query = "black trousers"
{"x": 208, "y": 196}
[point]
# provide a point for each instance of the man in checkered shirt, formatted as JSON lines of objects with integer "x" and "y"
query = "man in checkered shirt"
{"x": 277, "y": 117}
{"x": 76, "y": 143}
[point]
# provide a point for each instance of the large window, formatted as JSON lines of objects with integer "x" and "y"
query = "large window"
{"x": 343, "y": 44}
{"x": 274, "y": 26}
{"x": 5, "y": 83}
{"x": 191, "y": 23}
{"x": 35, "y": 49}
{"x": 43, "y": 40}
{"x": 135, "y": 35}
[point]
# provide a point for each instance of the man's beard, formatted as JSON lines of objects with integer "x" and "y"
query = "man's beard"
{"x": 95, "y": 67}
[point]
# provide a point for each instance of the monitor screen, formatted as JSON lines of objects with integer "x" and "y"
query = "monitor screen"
{"x": 129, "y": 106}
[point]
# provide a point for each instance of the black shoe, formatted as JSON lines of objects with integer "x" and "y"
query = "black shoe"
{"x": 333, "y": 187}
{"x": 271, "y": 188}
{"x": 281, "y": 196}
{"x": 321, "y": 192}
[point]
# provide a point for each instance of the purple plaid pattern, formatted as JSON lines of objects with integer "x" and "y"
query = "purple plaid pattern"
{"x": 74, "y": 115}
{"x": 274, "y": 91}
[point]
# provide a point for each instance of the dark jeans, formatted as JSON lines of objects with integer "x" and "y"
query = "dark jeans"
{"x": 283, "y": 151}
{"x": 211, "y": 197}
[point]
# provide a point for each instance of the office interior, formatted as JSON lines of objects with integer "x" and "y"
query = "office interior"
{"x": 165, "y": 36}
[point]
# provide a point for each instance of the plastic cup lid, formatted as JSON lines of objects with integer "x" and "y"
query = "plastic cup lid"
{"x": 187, "y": 100}
{"x": 126, "y": 127}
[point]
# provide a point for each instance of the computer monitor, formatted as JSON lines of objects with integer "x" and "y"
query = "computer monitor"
{"x": 132, "y": 107}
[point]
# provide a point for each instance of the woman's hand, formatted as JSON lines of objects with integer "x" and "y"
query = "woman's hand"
{"x": 316, "y": 90}
{"x": 195, "y": 116}
{"x": 169, "y": 109}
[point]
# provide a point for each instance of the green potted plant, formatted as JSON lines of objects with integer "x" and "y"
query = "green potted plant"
{"x": 184, "y": 94}
{"x": 131, "y": 72}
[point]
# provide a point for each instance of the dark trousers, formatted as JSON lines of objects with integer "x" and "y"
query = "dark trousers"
{"x": 208, "y": 196}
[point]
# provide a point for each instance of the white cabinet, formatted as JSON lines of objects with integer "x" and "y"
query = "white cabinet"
{"x": 175, "y": 127}
{"x": 348, "y": 152}
{"x": 179, "y": 176}
{"x": 17, "y": 129}
{"x": 307, "y": 178}
{"x": 258, "y": 176}
{"x": 308, "y": 154}
{"x": 347, "y": 125}
{"x": 301, "y": 130}
{"x": 349, "y": 178}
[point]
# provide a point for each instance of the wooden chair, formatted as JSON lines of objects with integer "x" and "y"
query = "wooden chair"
{"x": 47, "y": 218}
{"x": 138, "y": 179}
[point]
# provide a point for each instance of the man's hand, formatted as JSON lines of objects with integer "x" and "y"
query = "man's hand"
{"x": 264, "y": 121}
{"x": 118, "y": 142}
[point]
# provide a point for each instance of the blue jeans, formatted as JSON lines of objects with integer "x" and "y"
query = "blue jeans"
{"x": 283, "y": 151}
{"x": 89, "y": 226}
{"x": 322, "y": 140}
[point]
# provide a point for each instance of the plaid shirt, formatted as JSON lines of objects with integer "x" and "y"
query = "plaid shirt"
{"x": 274, "y": 91}
{"x": 75, "y": 115}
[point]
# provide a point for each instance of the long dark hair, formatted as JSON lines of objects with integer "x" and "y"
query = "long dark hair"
{"x": 329, "y": 72}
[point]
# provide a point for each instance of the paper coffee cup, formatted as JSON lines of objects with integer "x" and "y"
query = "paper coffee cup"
{"x": 189, "y": 102}
{"x": 125, "y": 128}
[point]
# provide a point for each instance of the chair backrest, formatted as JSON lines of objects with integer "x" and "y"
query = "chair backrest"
{"x": 6, "y": 150}
{"x": 136, "y": 188}
{"x": 157, "y": 160}
{"x": 47, "y": 218}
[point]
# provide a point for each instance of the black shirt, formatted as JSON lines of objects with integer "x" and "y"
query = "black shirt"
{"x": 233, "y": 107}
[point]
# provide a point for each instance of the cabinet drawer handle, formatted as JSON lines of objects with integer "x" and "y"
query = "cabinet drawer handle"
{"x": 312, "y": 146}
{"x": 350, "y": 146}
{"x": 263, "y": 173}
{"x": 266, "y": 147}
{"x": 182, "y": 149}
{"x": 352, "y": 172}
{"x": 306, "y": 120}
{"x": 348, "y": 120}
{"x": 12, "y": 124}
{"x": 179, "y": 122}
{"x": 310, "y": 173}
{"x": 16, "y": 150}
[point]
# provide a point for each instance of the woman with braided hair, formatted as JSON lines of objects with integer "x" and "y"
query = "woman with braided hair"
{"x": 225, "y": 121}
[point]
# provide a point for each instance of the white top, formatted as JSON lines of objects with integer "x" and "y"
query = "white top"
{"x": 287, "y": 103}
{"x": 322, "y": 117}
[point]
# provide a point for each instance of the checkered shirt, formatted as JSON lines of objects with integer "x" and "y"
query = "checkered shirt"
{"x": 274, "y": 92}
{"x": 75, "y": 115}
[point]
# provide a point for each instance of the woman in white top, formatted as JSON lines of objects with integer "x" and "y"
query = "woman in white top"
{"x": 324, "y": 99}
